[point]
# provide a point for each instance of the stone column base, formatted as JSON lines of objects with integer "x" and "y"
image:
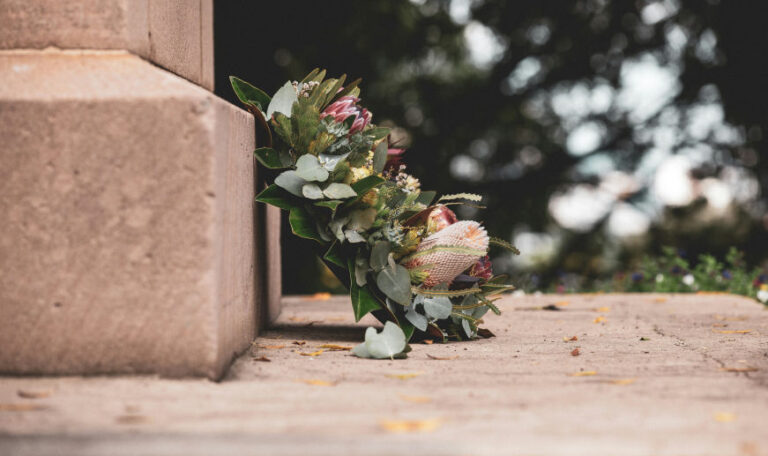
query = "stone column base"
{"x": 126, "y": 195}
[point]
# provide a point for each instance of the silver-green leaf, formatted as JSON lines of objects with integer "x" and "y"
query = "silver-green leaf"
{"x": 283, "y": 101}
{"x": 339, "y": 191}
{"x": 384, "y": 345}
{"x": 308, "y": 168}
{"x": 395, "y": 283}
{"x": 379, "y": 255}
{"x": 312, "y": 191}
{"x": 291, "y": 182}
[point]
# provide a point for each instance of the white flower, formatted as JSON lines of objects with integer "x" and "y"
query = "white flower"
{"x": 659, "y": 278}
{"x": 762, "y": 295}
{"x": 689, "y": 280}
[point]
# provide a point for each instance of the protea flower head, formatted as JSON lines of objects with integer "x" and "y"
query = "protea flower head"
{"x": 449, "y": 252}
{"x": 439, "y": 218}
{"x": 346, "y": 107}
{"x": 482, "y": 269}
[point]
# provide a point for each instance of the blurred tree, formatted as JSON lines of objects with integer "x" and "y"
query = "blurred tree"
{"x": 596, "y": 129}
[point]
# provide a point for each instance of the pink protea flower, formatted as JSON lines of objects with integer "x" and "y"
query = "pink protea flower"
{"x": 449, "y": 252}
{"x": 440, "y": 217}
{"x": 346, "y": 107}
{"x": 394, "y": 158}
{"x": 482, "y": 269}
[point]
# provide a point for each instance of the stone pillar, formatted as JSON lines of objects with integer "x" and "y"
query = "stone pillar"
{"x": 126, "y": 193}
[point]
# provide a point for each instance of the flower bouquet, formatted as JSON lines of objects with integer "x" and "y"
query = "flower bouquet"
{"x": 403, "y": 254}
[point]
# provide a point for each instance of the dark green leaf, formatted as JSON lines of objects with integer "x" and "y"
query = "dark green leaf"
{"x": 272, "y": 159}
{"x": 249, "y": 94}
{"x": 426, "y": 198}
{"x": 331, "y": 204}
{"x": 380, "y": 157}
{"x": 377, "y": 133}
{"x": 362, "y": 299}
{"x": 333, "y": 254}
{"x": 362, "y": 186}
{"x": 303, "y": 225}
{"x": 276, "y": 196}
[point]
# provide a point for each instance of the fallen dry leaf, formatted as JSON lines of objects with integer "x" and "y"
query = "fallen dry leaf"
{"x": 30, "y": 394}
{"x": 299, "y": 342}
{"x": 314, "y": 353}
{"x": 623, "y": 381}
{"x": 404, "y": 376}
{"x": 644, "y": 339}
{"x": 739, "y": 369}
{"x": 570, "y": 339}
{"x": 416, "y": 399}
{"x": 725, "y": 417}
{"x": 575, "y": 352}
{"x": 315, "y": 382}
{"x": 602, "y": 309}
{"x": 262, "y": 358}
{"x": 660, "y": 300}
{"x": 272, "y": 347}
{"x": 720, "y": 325}
{"x": 23, "y": 407}
{"x": 561, "y": 303}
{"x": 334, "y": 347}
{"x": 322, "y": 296}
{"x": 400, "y": 426}
{"x": 442, "y": 358}
{"x": 295, "y": 318}
{"x": 733, "y": 331}
{"x": 583, "y": 374}
{"x": 723, "y": 318}
{"x": 131, "y": 419}
{"x": 428, "y": 341}
{"x": 599, "y": 319}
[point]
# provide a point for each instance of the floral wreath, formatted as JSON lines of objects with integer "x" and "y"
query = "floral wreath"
{"x": 405, "y": 257}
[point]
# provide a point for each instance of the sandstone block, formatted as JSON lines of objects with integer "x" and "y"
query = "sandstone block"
{"x": 127, "y": 233}
{"x": 175, "y": 34}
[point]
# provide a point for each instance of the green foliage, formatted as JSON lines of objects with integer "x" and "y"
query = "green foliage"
{"x": 272, "y": 158}
{"x": 249, "y": 94}
{"x": 385, "y": 345}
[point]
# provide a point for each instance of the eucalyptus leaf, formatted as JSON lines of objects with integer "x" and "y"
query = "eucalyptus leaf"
{"x": 362, "y": 299}
{"x": 291, "y": 181}
{"x": 353, "y": 236}
{"x": 384, "y": 345}
{"x": 362, "y": 220}
{"x": 339, "y": 191}
{"x": 283, "y": 101}
{"x": 337, "y": 227}
{"x": 437, "y": 307}
{"x": 361, "y": 269}
{"x": 395, "y": 283}
{"x": 418, "y": 320}
{"x": 379, "y": 255}
{"x": 309, "y": 169}
{"x": 303, "y": 225}
{"x": 312, "y": 191}
{"x": 329, "y": 162}
{"x": 380, "y": 157}
{"x": 466, "y": 327}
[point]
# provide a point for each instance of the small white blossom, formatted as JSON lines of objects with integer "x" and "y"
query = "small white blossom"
{"x": 762, "y": 295}
{"x": 689, "y": 280}
{"x": 659, "y": 278}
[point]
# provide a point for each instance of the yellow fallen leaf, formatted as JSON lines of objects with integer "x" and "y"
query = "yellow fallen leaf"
{"x": 321, "y": 296}
{"x": 442, "y": 358}
{"x": 570, "y": 339}
{"x": 604, "y": 309}
{"x": 599, "y": 319}
{"x": 723, "y": 318}
{"x": 725, "y": 417}
{"x": 272, "y": 347}
{"x": 732, "y": 331}
{"x": 739, "y": 369}
{"x": 561, "y": 303}
{"x": 404, "y": 376}
{"x": 660, "y": 300}
{"x": 623, "y": 381}
{"x": 334, "y": 347}
{"x": 315, "y": 353}
{"x": 583, "y": 374}
{"x": 295, "y": 318}
{"x": 416, "y": 399}
{"x": 315, "y": 382}
{"x": 400, "y": 426}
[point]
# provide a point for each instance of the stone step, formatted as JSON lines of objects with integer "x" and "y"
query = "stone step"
{"x": 128, "y": 216}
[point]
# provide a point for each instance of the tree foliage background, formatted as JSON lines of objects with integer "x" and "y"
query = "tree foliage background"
{"x": 597, "y": 130}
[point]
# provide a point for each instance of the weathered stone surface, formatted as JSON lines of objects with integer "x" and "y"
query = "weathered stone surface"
{"x": 274, "y": 265}
{"x": 669, "y": 379}
{"x": 175, "y": 34}
{"x": 127, "y": 202}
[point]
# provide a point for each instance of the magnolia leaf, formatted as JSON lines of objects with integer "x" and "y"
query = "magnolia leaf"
{"x": 334, "y": 256}
{"x": 364, "y": 185}
{"x": 249, "y": 94}
{"x": 312, "y": 191}
{"x": 353, "y": 236}
{"x": 384, "y": 345}
{"x": 291, "y": 181}
{"x": 283, "y": 101}
{"x": 331, "y": 204}
{"x": 426, "y": 198}
{"x": 395, "y": 283}
{"x": 379, "y": 255}
{"x": 380, "y": 157}
{"x": 272, "y": 159}
{"x": 362, "y": 220}
{"x": 277, "y": 196}
{"x": 303, "y": 225}
{"x": 418, "y": 320}
{"x": 362, "y": 299}
{"x": 309, "y": 169}
{"x": 339, "y": 191}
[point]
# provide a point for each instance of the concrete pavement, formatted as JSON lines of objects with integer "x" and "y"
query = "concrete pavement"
{"x": 593, "y": 375}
